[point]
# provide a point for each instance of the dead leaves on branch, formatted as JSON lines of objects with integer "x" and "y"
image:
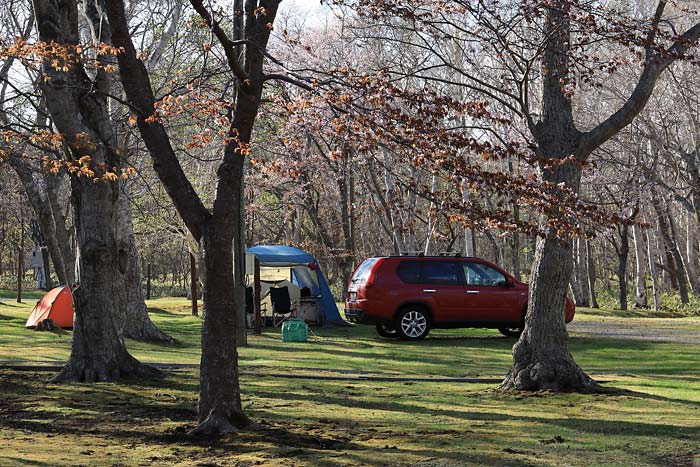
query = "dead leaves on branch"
{"x": 59, "y": 57}
{"x": 36, "y": 144}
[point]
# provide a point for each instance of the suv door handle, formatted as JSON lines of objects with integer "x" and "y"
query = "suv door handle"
{"x": 429, "y": 290}
{"x": 472, "y": 291}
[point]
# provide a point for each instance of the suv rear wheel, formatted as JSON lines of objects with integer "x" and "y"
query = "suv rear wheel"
{"x": 412, "y": 323}
{"x": 386, "y": 331}
{"x": 511, "y": 332}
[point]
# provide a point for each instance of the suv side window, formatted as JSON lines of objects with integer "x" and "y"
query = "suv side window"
{"x": 441, "y": 272}
{"x": 482, "y": 274}
{"x": 409, "y": 271}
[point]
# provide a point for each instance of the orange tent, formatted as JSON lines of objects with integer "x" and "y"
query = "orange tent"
{"x": 57, "y": 305}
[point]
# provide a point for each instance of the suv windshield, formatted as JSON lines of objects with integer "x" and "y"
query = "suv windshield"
{"x": 362, "y": 271}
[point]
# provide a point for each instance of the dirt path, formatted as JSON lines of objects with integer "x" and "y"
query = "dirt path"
{"x": 654, "y": 329}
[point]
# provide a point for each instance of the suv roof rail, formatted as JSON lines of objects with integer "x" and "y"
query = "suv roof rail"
{"x": 450, "y": 253}
{"x": 412, "y": 253}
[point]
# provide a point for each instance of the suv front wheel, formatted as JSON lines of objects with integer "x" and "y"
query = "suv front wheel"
{"x": 412, "y": 323}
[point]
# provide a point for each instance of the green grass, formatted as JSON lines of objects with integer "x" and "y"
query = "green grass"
{"x": 655, "y": 421}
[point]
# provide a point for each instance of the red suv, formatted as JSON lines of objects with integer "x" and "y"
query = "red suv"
{"x": 406, "y": 296}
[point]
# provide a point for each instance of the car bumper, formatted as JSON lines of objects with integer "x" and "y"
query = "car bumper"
{"x": 359, "y": 316}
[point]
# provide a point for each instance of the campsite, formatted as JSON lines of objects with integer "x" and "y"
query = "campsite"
{"x": 397, "y": 233}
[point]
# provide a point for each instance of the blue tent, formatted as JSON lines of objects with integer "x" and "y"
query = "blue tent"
{"x": 288, "y": 256}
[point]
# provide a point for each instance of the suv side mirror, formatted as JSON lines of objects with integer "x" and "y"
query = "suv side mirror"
{"x": 507, "y": 283}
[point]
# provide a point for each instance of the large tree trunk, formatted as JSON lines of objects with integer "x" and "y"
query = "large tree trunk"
{"x": 640, "y": 296}
{"x": 134, "y": 321}
{"x": 220, "y": 409}
{"x": 541, "y": 359}
{"x": 98, "y": 352}
{"x": 79, "y": 110}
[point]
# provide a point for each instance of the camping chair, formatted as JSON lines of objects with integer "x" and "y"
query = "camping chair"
{"x": 281, "y": 304}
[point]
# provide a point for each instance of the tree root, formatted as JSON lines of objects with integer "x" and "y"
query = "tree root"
{"x": 558, "y": 374}
{"x": 149, "y": 333}
{"x": 213, "y": 425}
{"x": 86, "y": 370}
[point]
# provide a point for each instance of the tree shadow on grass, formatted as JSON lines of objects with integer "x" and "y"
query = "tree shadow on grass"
{"x": 17, "y": 461}
{"x": 646, "y": 395}
{"x": 611, "y": 427}
{"x": 161, "y": 311}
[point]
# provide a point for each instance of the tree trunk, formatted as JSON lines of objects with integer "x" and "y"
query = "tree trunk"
{"x": 98, "y": 352}
{"x": 541, "y": 359}
{"x": 468, "y": 232}
{"x": 640, "y": 296}
{"x": 135, "y": 322}
{"x": 346, "y": 188}
{"x": 43, "y": 212}
{"x": 54, "y": 189}
{"x": 220, "y": 409}
{"x": 675, "y": 262}
{"x": 391, "y": 201}
{"x": 591, "y": 274}
{"x": 668, "y": 272}
{"x": 516, "y": 246}
{"x": 691, "y": 253}
{"x": 580, "y": 282}
{"x": 79, "y": 111}
{"x": 652, "y": 271}
{"x": 148, "y": 281}
{"x": 622, "y": 257}
{"x": 20, "y": 262}
{"x": 193, "y": 285}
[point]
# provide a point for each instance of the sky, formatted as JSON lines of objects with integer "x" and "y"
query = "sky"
{"x": 312, "y": 9}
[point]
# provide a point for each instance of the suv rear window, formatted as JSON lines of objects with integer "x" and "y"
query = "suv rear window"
{"x": 362, "y": 271}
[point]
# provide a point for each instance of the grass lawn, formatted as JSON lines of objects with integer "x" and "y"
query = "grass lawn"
{"x": 653, "y": 421}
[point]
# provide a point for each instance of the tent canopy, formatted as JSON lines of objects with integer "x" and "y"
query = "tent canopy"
{"x": 280, "y": 255}
{"x": 56, "y": 305}
{"x": 298, "y": 260}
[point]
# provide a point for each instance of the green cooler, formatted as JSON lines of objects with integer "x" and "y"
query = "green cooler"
{"x": 295, "y": 330}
